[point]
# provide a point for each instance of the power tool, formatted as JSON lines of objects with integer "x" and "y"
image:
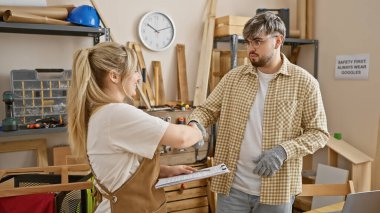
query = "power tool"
{"x": 9, "y": 123}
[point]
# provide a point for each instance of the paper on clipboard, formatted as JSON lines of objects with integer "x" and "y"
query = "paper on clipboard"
{"x": 200, "y": 174}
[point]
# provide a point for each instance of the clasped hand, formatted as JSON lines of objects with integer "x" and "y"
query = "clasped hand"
{"x": 200, "y": 143}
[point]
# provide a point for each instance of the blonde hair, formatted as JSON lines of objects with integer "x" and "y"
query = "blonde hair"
{"x": 91, "y": 66}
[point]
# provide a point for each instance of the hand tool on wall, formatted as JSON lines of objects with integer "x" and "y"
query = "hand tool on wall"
{"x": 139, "y": 89}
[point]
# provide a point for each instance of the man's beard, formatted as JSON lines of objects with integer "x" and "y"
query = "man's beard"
{"x": 262, "y": 61}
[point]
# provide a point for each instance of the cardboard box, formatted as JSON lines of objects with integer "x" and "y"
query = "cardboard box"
{"x": 229, "y": 25}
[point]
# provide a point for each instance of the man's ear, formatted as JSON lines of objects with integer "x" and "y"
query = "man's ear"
{"x": 279, "y": 41}
{"x": 114, "y": 77}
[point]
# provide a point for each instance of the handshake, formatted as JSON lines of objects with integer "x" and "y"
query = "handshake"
{"x": 200, "y": 143}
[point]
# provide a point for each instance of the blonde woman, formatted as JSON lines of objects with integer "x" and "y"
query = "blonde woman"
{"x": 120, "y": 141}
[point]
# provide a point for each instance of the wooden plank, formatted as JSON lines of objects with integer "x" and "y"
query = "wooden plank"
{"x": 231, "y": 20}
{"x": 301, "y": 17}
{"x": 187, "y": 204}
{"x": 188, "y": 185}
{"x": 143, "y": 96}
{"x": 310, "y": 4}
{"x": 147, "y": 89}
{"x": 147, "y": 82}
{"x": 183, "y": 93}
{"x": 226, "y": 30}
{"x": 158, "y": 83}
{"x": 102, "y": 18}
{"x": 185, "y": 194}
{"x": 325, "y": 189}
{"x": 38, "y": 145}
{"x": 47, "y": 169}
{"x": 205, "y": 57}
{"x": 215, "y": 70}
{"x": 348, "y": 151}
{"x": 45, "y": 189}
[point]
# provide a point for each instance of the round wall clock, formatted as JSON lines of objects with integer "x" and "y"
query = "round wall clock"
{"x": 156, "y": 31}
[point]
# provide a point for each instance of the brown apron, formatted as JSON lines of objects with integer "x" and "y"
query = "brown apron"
{"x": 138, "y": 193}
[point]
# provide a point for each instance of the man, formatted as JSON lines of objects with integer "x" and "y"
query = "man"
{"x": 270, "y": 114}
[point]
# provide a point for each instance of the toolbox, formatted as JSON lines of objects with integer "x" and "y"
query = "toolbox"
{"x": 39, "y": 94}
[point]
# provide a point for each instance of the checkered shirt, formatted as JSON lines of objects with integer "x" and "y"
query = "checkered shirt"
{"x": 294, "y": 117}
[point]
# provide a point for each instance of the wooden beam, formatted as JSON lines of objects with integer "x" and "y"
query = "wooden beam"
{"x": 158, "y": 83}
{"x": 146, "y": 85}
{"x": 38, "y": 145}
{"x": 310, "y": 4}
{"x": 205, "y": 56}
{"x": 183, "y": 93}
{"x": 301, "y": 17}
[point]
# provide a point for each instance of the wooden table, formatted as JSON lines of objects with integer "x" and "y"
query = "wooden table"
{"x": 329, "y": 208}
{"x": 360, "y": 162}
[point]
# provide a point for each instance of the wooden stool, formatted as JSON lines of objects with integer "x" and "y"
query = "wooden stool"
{"x": 38, "y": 145}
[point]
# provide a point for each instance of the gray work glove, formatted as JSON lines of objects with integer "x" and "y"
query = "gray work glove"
{"x": 200, "y": 143}
{"x": 270, "y": 161}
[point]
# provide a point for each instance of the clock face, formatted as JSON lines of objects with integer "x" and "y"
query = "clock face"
{"x": 156, "y": 31}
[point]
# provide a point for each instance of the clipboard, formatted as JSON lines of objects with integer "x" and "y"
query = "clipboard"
{"x": 199, "y": 174}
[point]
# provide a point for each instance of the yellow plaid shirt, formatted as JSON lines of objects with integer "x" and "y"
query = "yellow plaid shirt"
{"x": 294, "y": 117}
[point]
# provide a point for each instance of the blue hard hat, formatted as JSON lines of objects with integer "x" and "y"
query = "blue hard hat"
{"x": 84, "y": 15}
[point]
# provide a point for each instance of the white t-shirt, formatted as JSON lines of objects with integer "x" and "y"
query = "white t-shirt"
{"x": 119, "y": 136}
{"x": 250, "y": 149}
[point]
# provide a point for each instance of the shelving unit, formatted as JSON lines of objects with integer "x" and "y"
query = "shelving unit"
{"x": 235, "y": 39}
{"x": 46, "y": 29}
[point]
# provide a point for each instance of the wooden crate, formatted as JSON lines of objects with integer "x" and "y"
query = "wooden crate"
{"x": 190, "y": 197}
{"x": 229, "y": 25}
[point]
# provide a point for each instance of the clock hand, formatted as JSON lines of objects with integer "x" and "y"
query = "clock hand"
{"x": 163, "y": 29}
{"x": 153, "y": 28}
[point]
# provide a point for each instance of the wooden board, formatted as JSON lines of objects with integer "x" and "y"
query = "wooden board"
{"x": 229, "y": 25}
{"x": 205, "y": 57}
{"x": 158, "y": 83}
{"x": 183, "y": 93}
{"x": 37, "y": 145}
{"x": 310, "y": 5}
{"x": 146, "y": 85}
{"x": 301, "y": 17}
{"x": 215, "y": 75}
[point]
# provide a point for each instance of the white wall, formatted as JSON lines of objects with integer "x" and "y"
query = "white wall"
{"x": 348, "y": 27}
{"x": 343, "y": 27}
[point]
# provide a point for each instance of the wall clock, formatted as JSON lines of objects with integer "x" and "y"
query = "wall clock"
{"x": 156, "y": 31}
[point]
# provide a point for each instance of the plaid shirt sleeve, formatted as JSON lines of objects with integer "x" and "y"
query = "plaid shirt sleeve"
{"x": 208, "y": 112}
{"x": 314, "y": 125}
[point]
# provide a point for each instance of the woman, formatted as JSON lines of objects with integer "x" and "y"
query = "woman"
{"x": 120, "y": 141}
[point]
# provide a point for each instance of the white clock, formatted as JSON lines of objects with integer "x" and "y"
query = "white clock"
{"x": 156, "y": 31}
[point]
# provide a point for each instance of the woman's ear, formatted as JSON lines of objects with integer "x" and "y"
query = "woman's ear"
{"x": 114, "y": 77}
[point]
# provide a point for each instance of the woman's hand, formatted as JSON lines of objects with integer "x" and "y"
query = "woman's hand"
{"x": 169, "y": 171}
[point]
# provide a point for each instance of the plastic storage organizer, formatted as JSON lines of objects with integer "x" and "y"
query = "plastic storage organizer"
{"x": 39, "y": 94}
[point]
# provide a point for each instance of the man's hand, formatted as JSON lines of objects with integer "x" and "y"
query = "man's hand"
{"x": 200, "y": 143}
{"x": 270, "y": 161}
